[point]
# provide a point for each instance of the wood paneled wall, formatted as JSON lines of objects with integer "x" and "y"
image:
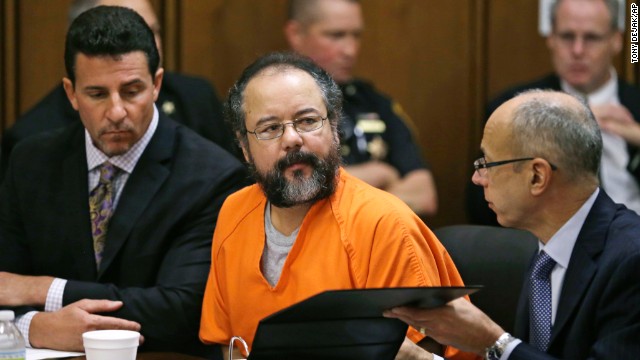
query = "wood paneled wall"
{"x": 442, "y": 60}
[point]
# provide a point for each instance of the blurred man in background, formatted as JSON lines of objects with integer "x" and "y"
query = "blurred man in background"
{"x": 377, "y": 142}
{"x": 584, "y": 40}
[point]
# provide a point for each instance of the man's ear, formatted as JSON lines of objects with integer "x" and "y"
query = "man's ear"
{"x": 551, "y": 42}
{"x": 157, "y": 83}
{"x": 541, "y": 174}
{"x": 243, "y": 146}
{"x": 71, "y": 92}
{"x": 616, "y": 42}
{"x": 294, "y": 34}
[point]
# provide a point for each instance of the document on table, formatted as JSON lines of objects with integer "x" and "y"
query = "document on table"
{"x": 37, "y": 354}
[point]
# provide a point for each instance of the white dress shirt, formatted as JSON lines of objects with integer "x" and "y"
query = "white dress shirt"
{"x": 559, "y": 248}
{"x": 619, "y": 184}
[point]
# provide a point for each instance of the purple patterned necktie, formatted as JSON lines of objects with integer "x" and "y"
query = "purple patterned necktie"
{"x": 100, "y": 207}
{"x": 540, "y": 301}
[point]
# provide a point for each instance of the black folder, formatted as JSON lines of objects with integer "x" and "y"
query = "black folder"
{"x": 344, "y": 324}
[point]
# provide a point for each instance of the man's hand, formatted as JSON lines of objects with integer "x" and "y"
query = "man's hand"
{"x": 21, "y": 290}
{"x": 410, "y": 351}
{"x": 62, "y": 329}
{"x": 617, "y": 120}
{"x": 459, "y": 323}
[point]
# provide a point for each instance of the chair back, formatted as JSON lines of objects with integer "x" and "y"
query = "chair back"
{"x": 494, "y": 257}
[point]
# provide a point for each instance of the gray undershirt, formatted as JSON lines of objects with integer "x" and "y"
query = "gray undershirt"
{"x": 276, "y": 249}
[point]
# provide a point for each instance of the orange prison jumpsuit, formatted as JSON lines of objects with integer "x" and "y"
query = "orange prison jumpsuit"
{"x": 360, "y": 237}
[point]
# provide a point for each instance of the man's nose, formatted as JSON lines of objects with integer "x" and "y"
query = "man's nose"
{"x": 116, "y": 111}
{"x": 351, "y": 46}
{"x": 291, "y": 137}
{"x": 477, "y": 179}
{"x": 577, "y": 47}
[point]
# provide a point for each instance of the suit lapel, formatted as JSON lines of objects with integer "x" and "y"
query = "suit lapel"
{"x": 75, "y": 189}
{"x": 584, "y": 262}
{"x": 149, "y": 174}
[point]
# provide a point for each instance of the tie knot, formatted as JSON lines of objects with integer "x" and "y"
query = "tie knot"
{"x": 542, "y": 266}
{"x": 107, "y": 172}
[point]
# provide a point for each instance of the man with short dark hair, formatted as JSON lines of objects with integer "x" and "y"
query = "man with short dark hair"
{"x": 307, "y": 225}
{"x": 189, "y": 100}
{"x": 378, "y": 144}
{"x": 107, "y": 223}
{"x": 539, "y": 172}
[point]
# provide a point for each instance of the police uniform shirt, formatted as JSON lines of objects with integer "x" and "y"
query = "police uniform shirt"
{"x": 374, "y": 127}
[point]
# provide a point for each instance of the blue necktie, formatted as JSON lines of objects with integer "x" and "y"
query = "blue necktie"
{"x": 540, "y": 301}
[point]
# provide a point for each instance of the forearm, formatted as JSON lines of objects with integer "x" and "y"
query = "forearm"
{"x": 164, "y": 311}
{"x": 23, "y": 290}
{"x": 418, "y": 190}
{"x": 375, "y": 173}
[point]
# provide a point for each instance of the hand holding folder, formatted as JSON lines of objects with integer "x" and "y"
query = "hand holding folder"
{"x": 344, "y": 324}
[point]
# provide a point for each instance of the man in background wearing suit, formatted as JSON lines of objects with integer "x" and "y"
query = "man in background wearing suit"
{"x": 585, "y": 38}
{"x": 580, "y": 299}
{"x": 189, "y": 100}
{"x": 377, "y": 144}
{"x": 107, "y": 223}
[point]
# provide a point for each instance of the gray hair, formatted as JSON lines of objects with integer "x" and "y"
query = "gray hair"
{"x": 567, "y": 136}
{"x": 612, "y": 5}
{"x": 234, "y": 110}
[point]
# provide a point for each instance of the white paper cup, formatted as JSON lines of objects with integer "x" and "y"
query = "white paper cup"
{"x": 111, "y": 344}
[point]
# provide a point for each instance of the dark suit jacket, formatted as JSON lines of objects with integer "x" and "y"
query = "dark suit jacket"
{"x": 477, "y": 209}
{"x": 188, "y": 100}
{"x": 158, "y": 246}
{"x": 598, "y": 315}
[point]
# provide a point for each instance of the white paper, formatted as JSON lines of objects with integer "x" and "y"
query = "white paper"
{"x": 36, "y": 354}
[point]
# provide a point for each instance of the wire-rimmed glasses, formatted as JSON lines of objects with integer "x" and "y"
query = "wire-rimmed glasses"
{"x": 274, "y": 130}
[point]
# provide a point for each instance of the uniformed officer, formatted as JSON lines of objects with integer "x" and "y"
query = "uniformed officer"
{"x": 377, "y": 140}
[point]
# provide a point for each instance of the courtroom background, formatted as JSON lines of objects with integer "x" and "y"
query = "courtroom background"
{"x": 442, "y": 60}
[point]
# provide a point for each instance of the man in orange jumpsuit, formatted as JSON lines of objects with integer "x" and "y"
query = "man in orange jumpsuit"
{"x": 307, "y": 225}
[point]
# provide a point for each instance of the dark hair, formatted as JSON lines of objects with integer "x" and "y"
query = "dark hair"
{"x": 109, "y": 31}
{"x": 281, "y": 61}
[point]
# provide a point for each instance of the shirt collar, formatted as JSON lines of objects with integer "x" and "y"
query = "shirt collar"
{"x": 126, "y": 161}
{"x": 603, "y": 94}
{"x": 561, "y": 244}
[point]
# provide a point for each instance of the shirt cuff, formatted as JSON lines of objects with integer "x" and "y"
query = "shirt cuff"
{"x": 54, "y": 295}
{"x": 23, "y": 322}
{"x": 510, "y": 346}
{"x": 437, "y": 357}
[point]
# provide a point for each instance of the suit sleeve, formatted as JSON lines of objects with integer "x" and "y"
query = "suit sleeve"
{"x": 170, "y": 309}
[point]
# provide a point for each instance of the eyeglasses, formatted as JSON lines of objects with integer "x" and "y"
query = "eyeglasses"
{"x": 275, "y": 130}
{"x": 481, "y": 165}
{"x": 568, "y": 39}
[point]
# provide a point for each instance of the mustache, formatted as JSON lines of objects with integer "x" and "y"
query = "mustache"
{"x": 296, "y": 158}
{"x": 119, "y": 127}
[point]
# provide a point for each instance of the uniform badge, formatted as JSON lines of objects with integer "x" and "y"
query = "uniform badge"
{"x": 168, "y": 107}
{"x": 378, "y": 148}
{"x": 370, "y": 123}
